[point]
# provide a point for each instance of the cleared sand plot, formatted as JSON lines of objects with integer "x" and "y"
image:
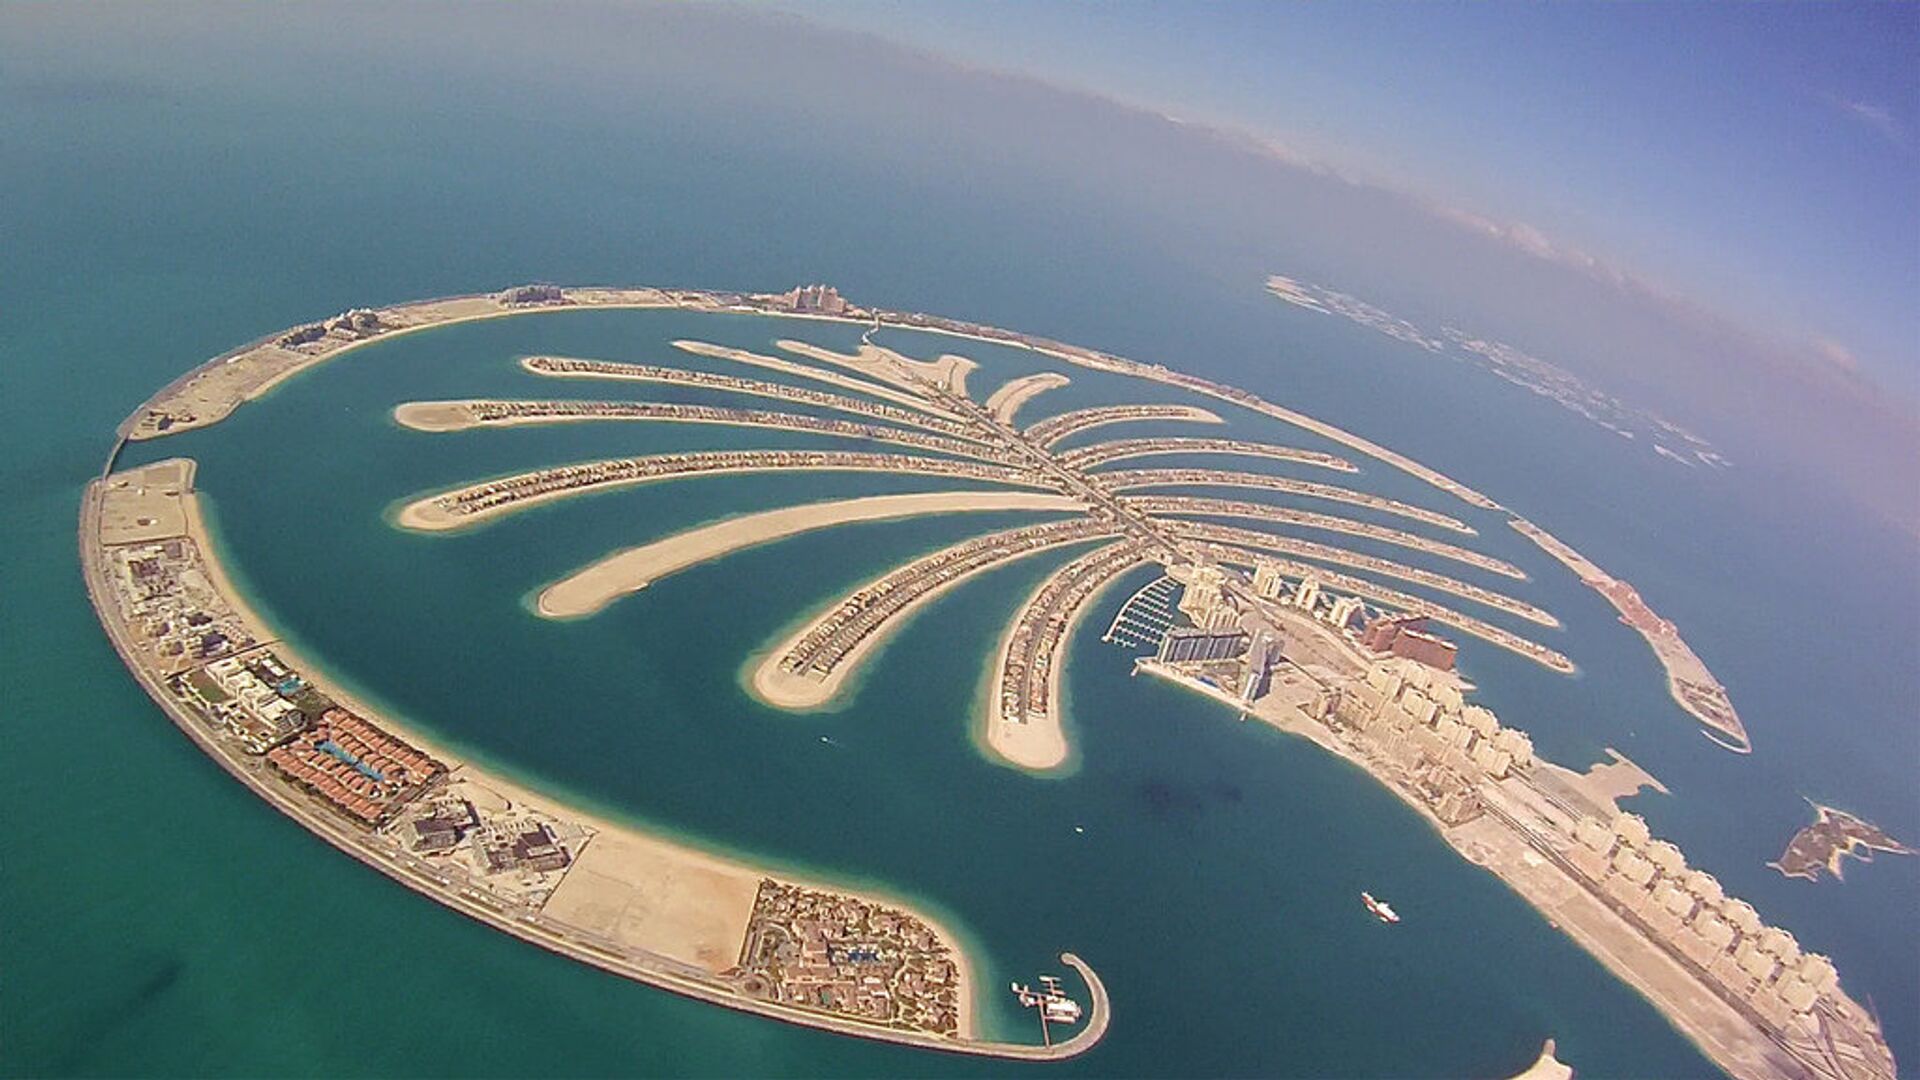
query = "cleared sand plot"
{"x": 145, "y": 504}
{"x": 949, "y": 372}
{"x": 788, "y": 367}
{"x": 648, "y": 894}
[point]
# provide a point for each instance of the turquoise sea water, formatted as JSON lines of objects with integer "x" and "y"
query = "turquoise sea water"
{"x": 159, "y": 919}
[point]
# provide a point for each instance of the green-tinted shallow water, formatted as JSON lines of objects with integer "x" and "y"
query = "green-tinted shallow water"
{"x": 159, "y": 919}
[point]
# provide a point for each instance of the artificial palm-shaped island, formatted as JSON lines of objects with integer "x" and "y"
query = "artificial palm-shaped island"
{"x": 1283, "y": 597}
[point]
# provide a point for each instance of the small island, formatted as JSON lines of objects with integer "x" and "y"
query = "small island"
{"x": 1834, "y": 836}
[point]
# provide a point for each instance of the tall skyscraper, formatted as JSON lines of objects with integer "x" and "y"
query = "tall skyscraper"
{"x": 1202, "y": 596}
{"x": 1307, "y": 594}
{"x": 1345, "y": 608}
{"x": 1267, "y": 582}
{"x": 1261, "y": 655}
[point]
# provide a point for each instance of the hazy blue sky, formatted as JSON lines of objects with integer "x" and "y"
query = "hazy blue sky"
{"x": 1706, "y": 210}
{"x": 1761, "y": 159}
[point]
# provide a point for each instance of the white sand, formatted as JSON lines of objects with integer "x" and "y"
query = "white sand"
{"x": 671, "y": 898}
{"x": 586, "y": 591}
{"x": 1546, "y": 1067}
{"x": 830, "y": 378}
{"x": 950, "y": 371}
{"x": 1039, "y": 745}
{"x": 787, "y": 690}
{"x": 1013, "y": 393}
{"x": 647, "y": 894}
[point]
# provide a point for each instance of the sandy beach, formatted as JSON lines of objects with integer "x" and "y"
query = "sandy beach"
{"x": 1038, "y": 746}
{"x": 798, "y": 692}
{"x": 1006, "y": 401}
{"x": 804, "y": 371}
{"x": 949, "y": 371}
{"x": 676, "y": 901}
{"x": 586, "y": 591}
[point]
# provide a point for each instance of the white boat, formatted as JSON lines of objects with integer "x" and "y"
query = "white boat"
{"x": 1380, "y": 908}
{"x": 1054, "y": 1005}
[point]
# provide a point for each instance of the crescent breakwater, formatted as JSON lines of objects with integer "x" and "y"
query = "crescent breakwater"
{"x": 697, "y": 924}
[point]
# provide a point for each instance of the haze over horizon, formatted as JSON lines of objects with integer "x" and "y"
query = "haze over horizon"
{"x": 1534, "y": 124}
{"x": 1733, "y": 173}
{"x": 1702, "y": 239}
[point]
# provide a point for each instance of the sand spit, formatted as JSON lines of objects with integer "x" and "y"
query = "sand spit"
{"x": 1013, "y": 393}
{"x": 949, "y": 372}
{"x": 1546, "y": 1067}
{"x": 803, "y": 371}
{"x": 586, "y": 591}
